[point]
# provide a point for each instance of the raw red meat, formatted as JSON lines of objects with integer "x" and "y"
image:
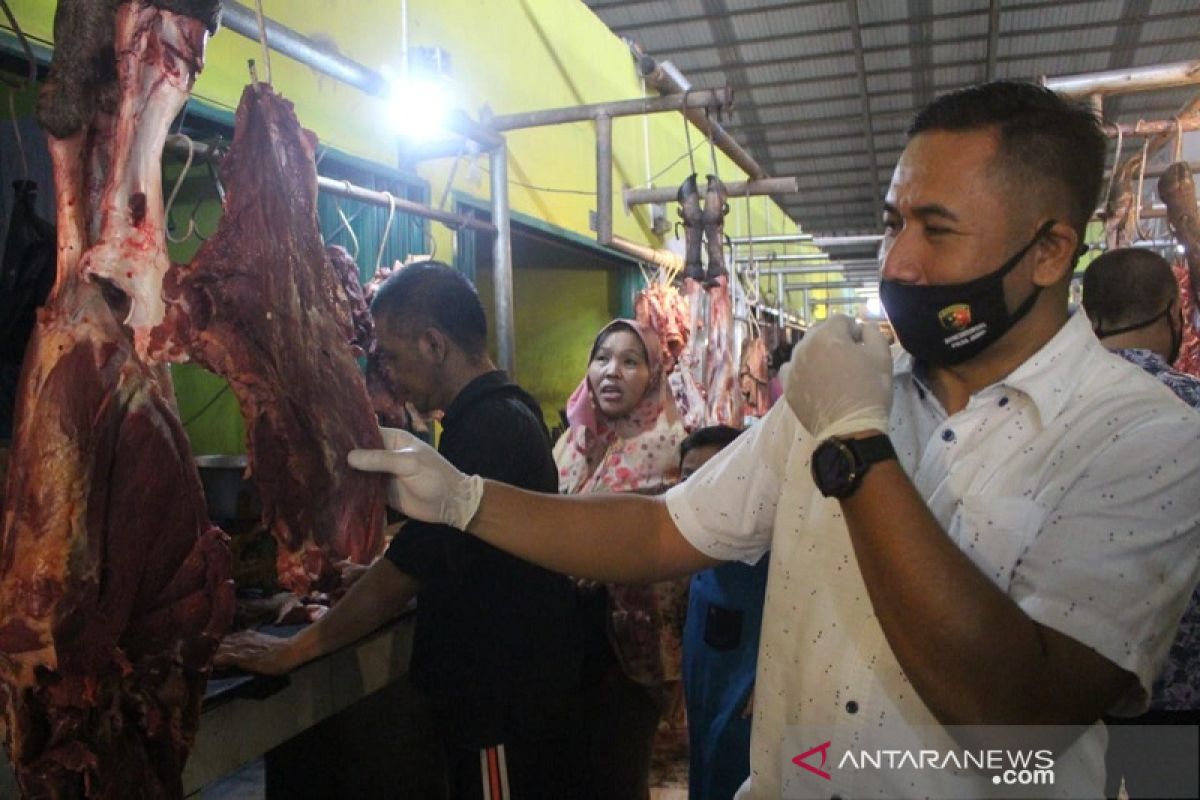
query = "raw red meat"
{"x": 353, "y": 313}
{"x": 720, "y": 370}
{"x": 661, "y": 307}
{"x": 753, "y": 378}
{"x": 114, "y": 586}
{"x": 261, "y": 305}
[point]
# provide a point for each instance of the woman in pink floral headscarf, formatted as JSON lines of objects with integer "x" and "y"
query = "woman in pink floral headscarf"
{"x": 624, "y": 436}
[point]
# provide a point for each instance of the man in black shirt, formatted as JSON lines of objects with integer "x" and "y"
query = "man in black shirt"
{"x": 495, "y": 650}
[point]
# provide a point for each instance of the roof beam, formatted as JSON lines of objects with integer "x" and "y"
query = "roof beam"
{"x": 993, "y": 39}
{"x": 867, "y": 124}
{"x": 693, "y": 69}
{"x": 756, "y": 8}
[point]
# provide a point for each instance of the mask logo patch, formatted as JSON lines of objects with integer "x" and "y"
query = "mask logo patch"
{"x": 956, "y": 317}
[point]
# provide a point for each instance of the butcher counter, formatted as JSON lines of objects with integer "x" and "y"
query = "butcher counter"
{"x": 246, "y": 717}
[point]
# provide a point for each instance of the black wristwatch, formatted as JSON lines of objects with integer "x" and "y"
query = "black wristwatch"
{"x": 838, "y": 465}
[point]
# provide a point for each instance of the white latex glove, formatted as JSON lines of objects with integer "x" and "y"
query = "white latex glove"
{"x": 424, "y": 485}
{"x": 839, "y": 380}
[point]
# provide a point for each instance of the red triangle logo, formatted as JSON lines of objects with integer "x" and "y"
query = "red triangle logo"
{"x": 823, "y": 749}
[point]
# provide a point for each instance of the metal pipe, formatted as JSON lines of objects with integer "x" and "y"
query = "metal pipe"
{"x": 457, "y": 121}
{"x": 820, "y": 269}
{"x": 664, "y": 77}
{"x": 783, "y": 238}
{"x": 240, "y": 19}
{"x": 708, "y": 98}
{"x": 502, "y": 275}
{"x": 1151, "y": 128}
{"x": 825, "y": 285}
{"x": 635, "y": 197}
{"x": 1157, "y": 170}
{"x": 660, "y": 258}
{"x": 179, "y": 144}
{"x": 1120, "y": 81}
{"x": 604, "y": 156}
{"x": 784, "y": 257}
{"x": 847, "y": 241}
{"x": 378, "y": 198}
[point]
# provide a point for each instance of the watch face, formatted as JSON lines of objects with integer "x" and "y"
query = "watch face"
{"x": 832, "y": 467}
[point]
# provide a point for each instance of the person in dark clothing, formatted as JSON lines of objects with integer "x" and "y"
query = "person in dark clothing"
{"x": 496, "y": 649}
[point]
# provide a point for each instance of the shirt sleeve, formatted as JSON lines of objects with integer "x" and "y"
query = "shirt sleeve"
{"x": 727, "y": 509}
{"x": 499, "y": 447}
{"x": 1114, "y": 563}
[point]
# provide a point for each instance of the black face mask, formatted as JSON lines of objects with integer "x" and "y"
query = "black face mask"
{"x": 946, "y": 324}
{"x": 1176, "y": 331}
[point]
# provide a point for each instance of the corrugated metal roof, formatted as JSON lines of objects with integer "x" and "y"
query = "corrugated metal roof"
{"x": 799, "y": 103}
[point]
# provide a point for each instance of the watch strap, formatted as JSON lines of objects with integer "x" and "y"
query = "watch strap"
{"x": 872, "y": 449}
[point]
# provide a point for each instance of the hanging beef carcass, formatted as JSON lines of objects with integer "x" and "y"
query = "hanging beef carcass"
{"x": 753, "y": 378}
{"x": 720, "y": 369}
{"x": 114, "y": 586}
{"x": 662, "y": 308}
{"x": 1178, "y": 192}
{"x": 262, "y": 306}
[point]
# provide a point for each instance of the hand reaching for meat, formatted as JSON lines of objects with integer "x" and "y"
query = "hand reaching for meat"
{"x": 256, "y": 652}
{"x": 424, "y": 485}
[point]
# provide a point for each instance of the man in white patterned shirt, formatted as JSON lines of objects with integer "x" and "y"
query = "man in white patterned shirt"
{"x": 995, "y": 526}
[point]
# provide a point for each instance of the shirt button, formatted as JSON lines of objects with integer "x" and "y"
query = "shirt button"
{"x": 1003, "y": 402}
{"x": 852, "y": 707}
{"x": 947, "y": 435}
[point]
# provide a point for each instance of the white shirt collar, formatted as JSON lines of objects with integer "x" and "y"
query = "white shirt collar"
{"x": 1047, "y": 376}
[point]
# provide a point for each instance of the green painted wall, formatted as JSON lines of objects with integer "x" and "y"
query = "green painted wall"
{"x": 563, "y": 295}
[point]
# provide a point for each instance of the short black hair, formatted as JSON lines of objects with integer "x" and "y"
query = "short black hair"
{"x": 1127, "y": 286}
{"x": 1045, "y": 140}
{"x": 712, "y": 436}
{"x": 433, "y": 294}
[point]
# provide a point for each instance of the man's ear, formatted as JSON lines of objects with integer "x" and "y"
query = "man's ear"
{"x": 1055, "y": 254}
{"x": 434, "y": 345}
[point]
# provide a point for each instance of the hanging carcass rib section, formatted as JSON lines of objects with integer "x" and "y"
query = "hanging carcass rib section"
{"x": 262, "y": 306}
{"x": 114, "y": 586}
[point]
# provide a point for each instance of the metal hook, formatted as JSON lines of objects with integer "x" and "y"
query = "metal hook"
{"x": 346, "y": 223}
{"x": 187, "y": 166}
{"x": 387, "y": 229}
{"x": 1137, "y": 207}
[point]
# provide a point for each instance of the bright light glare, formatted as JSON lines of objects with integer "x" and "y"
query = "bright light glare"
{"x": 417, "y": 107}
{"x": 1180, "y": 249}
{"x": 874, "y": 307}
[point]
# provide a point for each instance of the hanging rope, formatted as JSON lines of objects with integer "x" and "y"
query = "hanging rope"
{"x": 262, "y": 39}
{"x": 687, "y": 137}
{"x": 387, "y": 229}
{"x": 712, "y": 147}
{"x": 1112, "y": 176}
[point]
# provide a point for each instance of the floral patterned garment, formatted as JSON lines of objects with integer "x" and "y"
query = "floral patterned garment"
{"x": 636, "y": 453}
{"x": 1178, "y": 685}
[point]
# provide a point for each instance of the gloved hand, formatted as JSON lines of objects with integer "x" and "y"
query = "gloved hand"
{"x": 424, "y": 485}
{"x": 839, "y": 380}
